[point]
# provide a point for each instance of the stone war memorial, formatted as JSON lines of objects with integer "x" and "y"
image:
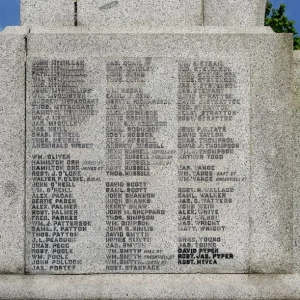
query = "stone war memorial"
{"x": 150, "y": 149}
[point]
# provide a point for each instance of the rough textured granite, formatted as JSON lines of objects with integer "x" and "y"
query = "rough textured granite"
{"x": 271, "y": 159}
{"x": 163, "y": 180}
{"x": 263, "y": 214}
{"x": 135, "y": 287}
{"x": 140, "y": 12}
{"x": 47, "y": 12}
{"x": 12, "y": 147}
{"x": 296, "y": 169}
{"x": 234, "y": 12}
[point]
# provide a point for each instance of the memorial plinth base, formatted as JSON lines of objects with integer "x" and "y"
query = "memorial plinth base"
{"x": 151, "y": 287}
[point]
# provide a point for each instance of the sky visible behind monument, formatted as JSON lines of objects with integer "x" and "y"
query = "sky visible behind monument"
{"x": 10, "y": 12}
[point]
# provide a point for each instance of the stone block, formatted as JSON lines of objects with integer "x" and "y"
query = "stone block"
{"x": 271, "y": 159}
{"x": 234, "y": 12}
{"x": 151, "y": 286}
{"x": 140, "y": 13}
{"x": 47, "y": 12}
{"x": 188, "y": 208}
{"x": 296, "y": 165}
{"x": 12, "y": 147}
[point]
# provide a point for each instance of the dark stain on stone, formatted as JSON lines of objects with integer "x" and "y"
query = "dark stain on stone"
{"x": 9, "y": 189}
{"x": 109, "y": 5}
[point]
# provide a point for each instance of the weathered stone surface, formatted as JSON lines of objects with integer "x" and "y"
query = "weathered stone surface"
{"x": 271, "y": 159}
{"x": 140, "y": 12}
{"x": 151, "y": 13}
{"x": 296, "y": 165}
{"x": 234, "y": 12}
{"x": 106, "y": 64}
{"x": 135, "y": 287}
{"x": 47, "y": 12}
{"x": 152, "y": 176}
{"x": 12, "y": 147}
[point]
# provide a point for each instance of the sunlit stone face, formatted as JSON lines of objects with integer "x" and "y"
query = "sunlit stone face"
{"x": 234, "y": 12}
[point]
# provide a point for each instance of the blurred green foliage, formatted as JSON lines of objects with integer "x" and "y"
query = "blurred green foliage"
{"x": 279, "y": 22}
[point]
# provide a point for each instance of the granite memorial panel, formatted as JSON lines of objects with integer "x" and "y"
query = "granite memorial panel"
{"x": 132, "y": 165}
{"x": 158, "y": 160}
{"x": 141, "y": 161}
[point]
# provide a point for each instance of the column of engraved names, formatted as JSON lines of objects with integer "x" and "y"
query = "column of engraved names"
{"x": 59, "y": 105}
{"x": 130, "y": 216}
{"x": 132, "y": 123}
{"x": 206, "y": 104}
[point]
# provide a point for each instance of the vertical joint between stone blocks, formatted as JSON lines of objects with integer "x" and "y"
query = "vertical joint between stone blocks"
{"x": 75, "y": 13}
{"x": 25, "y": 148}
{"x": 251, "y": 173}
{"x": 202, "y": 14}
